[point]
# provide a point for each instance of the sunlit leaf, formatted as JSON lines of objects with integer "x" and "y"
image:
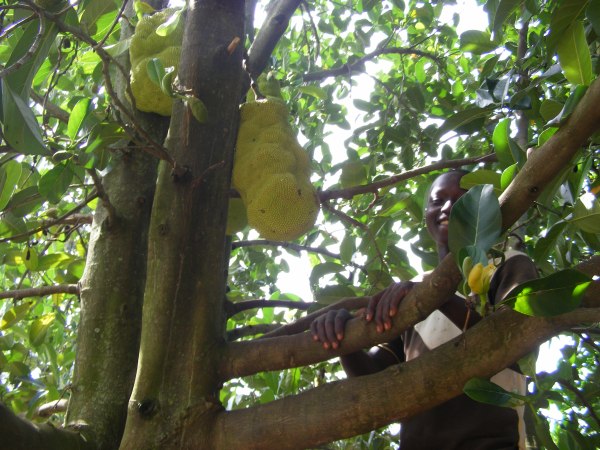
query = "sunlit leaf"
{"x": 586, "y": 216}
{"x": 10, "y": 173}
{"x": 555, "y": 294}
{"x": 39, "y": 329}
{"x": 574, "y": 55}
{"x": 77, "y": 117}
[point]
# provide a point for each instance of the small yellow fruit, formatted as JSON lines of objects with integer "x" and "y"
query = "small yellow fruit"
{"x": 480, "y": 277}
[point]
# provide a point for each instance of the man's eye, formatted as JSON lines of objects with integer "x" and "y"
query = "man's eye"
{"x": 437, "y": 202}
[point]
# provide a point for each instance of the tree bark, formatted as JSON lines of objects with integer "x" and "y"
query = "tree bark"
{"x": 183, "y": 318}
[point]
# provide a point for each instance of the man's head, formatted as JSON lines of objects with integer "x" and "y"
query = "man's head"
{"x": 444, "y": 193}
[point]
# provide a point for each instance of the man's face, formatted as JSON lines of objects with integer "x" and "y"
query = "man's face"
{"x": 445, "y": 191}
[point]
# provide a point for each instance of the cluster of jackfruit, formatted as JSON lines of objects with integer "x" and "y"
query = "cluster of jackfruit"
{"x": 271, "y": 171}
{"x": 146, "y": 44}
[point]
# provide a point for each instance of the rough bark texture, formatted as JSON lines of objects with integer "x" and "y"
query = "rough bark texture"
{"x": 183, "y": 318}
{"x": 112, "y": 291}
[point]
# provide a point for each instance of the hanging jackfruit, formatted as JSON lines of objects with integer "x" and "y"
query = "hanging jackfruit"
{"x": 146, "y": 44}
{"x": 272, "y": 174}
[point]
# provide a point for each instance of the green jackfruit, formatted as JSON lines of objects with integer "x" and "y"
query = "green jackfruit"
{"x": 145, "y": 45}
{"x": 271, "y": 171}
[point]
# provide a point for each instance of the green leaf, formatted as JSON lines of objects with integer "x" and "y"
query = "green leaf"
{"x": 77, "y": 117}
{"x": 321, "y": 270}
{"x": 314, "y": 91}
{"x": 508, "y": 175}
{"x": 156, "y": 70}
{"x": 562, "y": 18}
{"x": 481, "y": 176}
{"x": 55, "y": 182}
{"x": 170, "y": 25}
{"x": 462, "y": 118}
{"x": 24, "y": 201}
{"x": 10, "y": 173}
{"x": 52, "y": 260}
{"x": 503, "y": 12}
{"x": 484, "y": 391}
{"x": 574, "y": 55}
{"x": 198, "y": 108}
{"x": 475, "y": 220}
{"x": 586, "y": 217}
{"x": 30, "y": 258}
{"x": 39, "y": 329}
{"x": 501, "y": 138}
{"x": 14, "y": 315}
{"x": 549, "y": 109}
{"x": 21, "y": 129}
{"x": 555, "y": 294}
{"x": 477, "y": 42}
{"x": 593, "y": 14}
{"x": 331, "y": 294}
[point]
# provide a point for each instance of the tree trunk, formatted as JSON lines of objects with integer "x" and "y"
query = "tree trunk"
{"x": 183, "y": 318}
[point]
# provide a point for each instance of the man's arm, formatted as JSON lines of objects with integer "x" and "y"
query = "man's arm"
{"x": 511, "y": 273}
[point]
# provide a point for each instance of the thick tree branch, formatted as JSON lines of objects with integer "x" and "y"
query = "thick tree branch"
{"x": 20, "y": 434}
{"x": 276, "y": 23}
{"x": 302, "y": 324}
{"x": 359, "y": 64}
{"x": 52, "y": 110}
{"x": 547, "y": 161}
{"x": 373, "y": 188}
{"x": 41, "y": 291}
{"x": 357, "y": 405}
{"x": 238, "y": 307}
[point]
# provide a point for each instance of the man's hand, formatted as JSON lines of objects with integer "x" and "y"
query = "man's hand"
{"x": 329, "y": 327}
{"x": 384, "y": 305}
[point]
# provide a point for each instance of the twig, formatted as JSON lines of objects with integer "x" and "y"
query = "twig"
{"x": 50, "y": 223}
{"x": 113, "y": 25}
{"x": 358, "y": 65}
{"x": 251, "y": 330}
{"x": 292, "y": 246}
{"x": 53, "y": 110}
{"x": 581, "y": 397}
{"x": 305, "y": 8}
{"x": 374, "y": 187}
{"x": 238, "y": 307}
{"x": 302, "y": 324}
{"x": 42, "y": 291}
{"x": 34, "y": 46}
{"x": 103, "y": 196}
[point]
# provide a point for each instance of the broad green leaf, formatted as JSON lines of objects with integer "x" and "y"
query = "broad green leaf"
{"x": 549, "y": 109}
{"x": 481, "y": 176}
{"x": 166, "y": 28}
{"x": 485, "y": 391}
{"x": 156, "y": 70}
{"x": 331, "y": 294}
{"x": 24, "y": 201}
{"x": 77, "y": 117}
{"x": 576, "y": 95}
{"x": 10, "y": 173}
{"x": 14, "y": 315}
{"x": 593, "y": 14}
{"x": 574, "y": 55}
{"x": 503, "y": 11}
{"x": 52, "y": 260}
{"x": 30, "y": 258}
{"x": 555, "y": 294}
{"x": 475, "y": 220}
{"x": 354, "y": 173}
{"x": 477, "y": 42}
{"x": 546, "y": 134}
{"x": 314, "y": 91}
{"x": 323, "y": 269}
{"x": 562, "y": 18}
{"x": 55, "y": 182}
{"x": 586, "y": 216}
{"x": 501, "y": 138}
{"x": 21, "y": 129}
{"x": 104, "y": 134}
{"x": 39, "y": 329}
{"x": 462, "y": 118}
{"x": 508, "y": 175}
{"x": 11, "y": 225}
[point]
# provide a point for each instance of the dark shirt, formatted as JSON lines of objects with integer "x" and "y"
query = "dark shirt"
{"x": 462, "y": 423}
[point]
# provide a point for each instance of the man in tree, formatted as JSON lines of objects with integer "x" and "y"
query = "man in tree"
{"x": 460, "y": 423}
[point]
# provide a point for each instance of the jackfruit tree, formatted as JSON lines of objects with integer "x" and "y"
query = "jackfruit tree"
{"x": 141, "y": 309}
